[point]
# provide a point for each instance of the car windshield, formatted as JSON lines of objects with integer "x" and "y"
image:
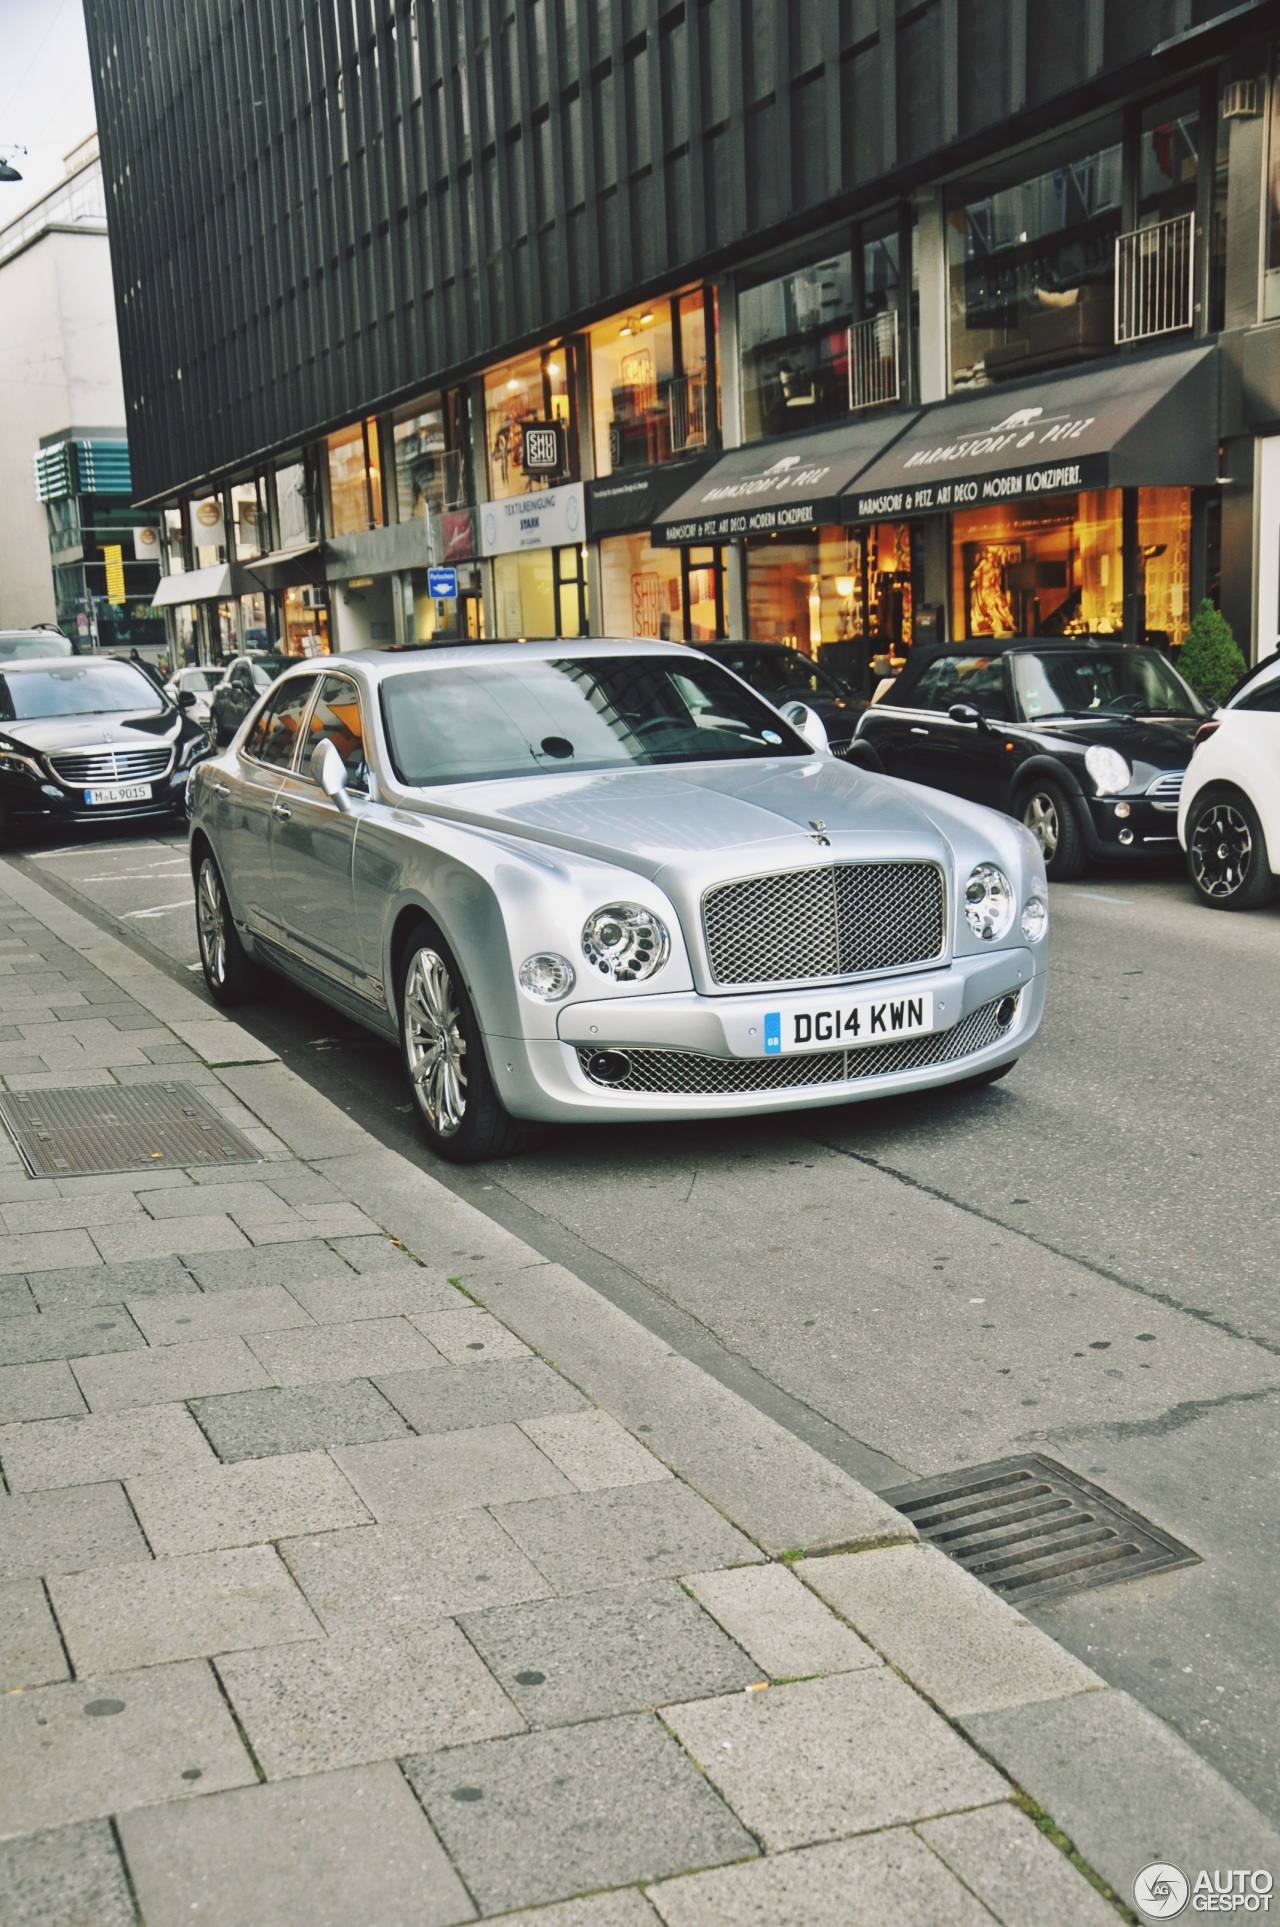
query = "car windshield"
{"x": 199, "y": 679}
{"x": 19, "y": 645}
{"x": 266, "y": 671}
{"x": 1089, "y": 682}
{"x": 458, "y": 724}
{"x": 81, "y": 689}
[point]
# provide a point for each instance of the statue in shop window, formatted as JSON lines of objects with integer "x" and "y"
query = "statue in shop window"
{"x": 990, "y": 607}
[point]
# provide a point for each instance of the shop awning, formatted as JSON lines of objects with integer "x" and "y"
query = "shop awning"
{"x": 194, "y": 585}
{"x": 796, "y": 483}
{"x": 1132, "y": 424}
{"x": 286, "y": 568}
{"x": 636, "y": 498}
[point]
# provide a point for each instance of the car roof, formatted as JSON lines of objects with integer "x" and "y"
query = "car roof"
{"x": 1011, "y": 645}
{"x": 17, "y": 665}
{"x": 382, "y": 665}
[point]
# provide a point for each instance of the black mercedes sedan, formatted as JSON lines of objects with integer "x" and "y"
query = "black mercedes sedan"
{"x": 87, "y": 739}
{"x": 1085, "y": 739}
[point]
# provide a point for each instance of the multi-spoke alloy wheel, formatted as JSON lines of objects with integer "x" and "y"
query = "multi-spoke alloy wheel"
{"x": 1050, "y": 816}
{"x": 211, "y": 923}
{"x": 435, "y": 1048}
{"x": 1227, "y": 852}
{"x": 1041, "y": 818}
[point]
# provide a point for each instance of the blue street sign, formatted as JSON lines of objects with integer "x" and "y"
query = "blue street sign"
{"x": 442, "y": 584}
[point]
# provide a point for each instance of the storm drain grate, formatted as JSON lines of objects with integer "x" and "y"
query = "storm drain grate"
{"x": 119, "y": 1127}
{"x": 1032, "y": 1530}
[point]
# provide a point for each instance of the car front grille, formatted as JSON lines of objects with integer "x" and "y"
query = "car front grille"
{"x": 837, "y": 921}
{"x": 1167, "y": 789}
{"x": 112, "y": 766}
{"x": 687, "y": 1074}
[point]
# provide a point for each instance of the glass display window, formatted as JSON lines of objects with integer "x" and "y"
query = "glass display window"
{"x": 536, "y": 389}
{"x": 430, "y": 440}
{"x": 1164, "y": 560}
{"x": 305, "y": 618}
{"x": 355, "y": 479}
{"x": 793, "y": 341}
{"x": 174, "y": 544}
{"x": 652, "y": 382}
{"x": 836, "y": 585}
{"x": 249, "y": 518}
{"x": 1051, "y": 568}
{"x": 294, "y": 515}
{"x": 641, "y": 589}
{"x": 541, "y": 594}
{"x": 1031, "y": 260}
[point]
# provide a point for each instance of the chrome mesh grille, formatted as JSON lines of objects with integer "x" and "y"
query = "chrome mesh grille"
{"x": 688, "y": 1074}
{"x": 112, "y": 766}
{"x": 830, "y": 922}
{"x": 1166, "y": 791}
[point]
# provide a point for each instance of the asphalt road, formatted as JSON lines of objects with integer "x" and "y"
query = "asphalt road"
{"x": 1079, "y": 1260}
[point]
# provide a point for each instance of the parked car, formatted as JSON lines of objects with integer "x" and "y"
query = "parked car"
{"x": 199, "y": 684}
{"x": 21, "y": 645}
{"x": 90, "y": 740}
{"x": 1229, "y": 815}
{"x": 593, "y": 882}
{"x": 782, "y": 674}
{"x": 244, "y": 680}
{"x": 1083, "y": 739}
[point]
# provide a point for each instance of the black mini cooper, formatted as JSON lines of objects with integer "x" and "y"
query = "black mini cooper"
{"x": 88, "y": 739}
{"x": 1086, "y": 740}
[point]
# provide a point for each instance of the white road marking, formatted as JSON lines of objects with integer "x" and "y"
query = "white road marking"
{"x": 1096, "y": 896}
{"x": 183, "y": 903}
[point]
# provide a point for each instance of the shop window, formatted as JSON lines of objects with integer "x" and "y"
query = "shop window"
{"x": 521, "y": 397}
{"x": 1164, "y": 559}
{"x": 1032, "y": 261}
{"x": 428, "y": 619}
{"x": 1048, "y": 568}
{"x": 653, "y": 382}
{"x": 355, "y": 479}
{"x": 793, "y": 335}
{"x": 250, "y": 520}
{"x": 430, "y": 441}
{"x": 294, "y": 510}
{"x": 836, "y": 586}
{"x": 703, "y": 594}
{"x": 525, "y": 596}
{"x": 174, "y": 545}
{"x": 641, "y": 589}
{"x": 305, "y": 617}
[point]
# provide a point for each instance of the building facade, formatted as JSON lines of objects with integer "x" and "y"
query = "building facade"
{"x": 845, "y": 323}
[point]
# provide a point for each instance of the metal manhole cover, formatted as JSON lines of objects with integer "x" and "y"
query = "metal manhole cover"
{"x": 119, "y": 1127}
{"x": 1032, "y": 1530}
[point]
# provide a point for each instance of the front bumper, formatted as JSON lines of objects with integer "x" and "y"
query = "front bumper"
{"x": 1150, "y": 829}
{"x": 26, "y": 803}
{"x": 711, "y": 1046}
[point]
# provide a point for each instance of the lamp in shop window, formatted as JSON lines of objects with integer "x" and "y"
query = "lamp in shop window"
{"x": 815, "y": 612}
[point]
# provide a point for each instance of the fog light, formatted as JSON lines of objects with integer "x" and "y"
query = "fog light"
{"x": 547, "y": 977}
{"x": 1006, "y": 1011}
{"x": 1035, "y": 919}
{"x": 1122, "y": 809}
{"x": 1126, "y": 837}
{"x": 608, "y": 1066}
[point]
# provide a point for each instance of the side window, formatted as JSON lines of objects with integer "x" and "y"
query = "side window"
{"x": 274, "y": 736}
{"x": 984, "y": 688}
{"x": 1265, "y": 696}
{"x": 937, "y": 687}
{"x": 336, "y": 719}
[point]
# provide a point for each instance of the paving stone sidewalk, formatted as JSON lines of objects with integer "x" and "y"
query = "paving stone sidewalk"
{"x": 358, "y": 1568}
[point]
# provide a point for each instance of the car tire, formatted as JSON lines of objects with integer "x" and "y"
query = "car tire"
{"x": 1227, "y": 858}
{"x": 464, "y": 1119}
{"x": 1049, "y": 814}
{"x": 229, "y": 971}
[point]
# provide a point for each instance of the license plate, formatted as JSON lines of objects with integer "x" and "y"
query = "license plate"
{"x": 122, "y": 793}
{"x": 846, "y": 1023}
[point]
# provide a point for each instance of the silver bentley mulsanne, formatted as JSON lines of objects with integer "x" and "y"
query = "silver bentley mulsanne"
{"x": 605, "y": 881}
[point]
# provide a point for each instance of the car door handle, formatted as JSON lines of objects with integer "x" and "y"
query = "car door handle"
{"x": 220, "y": 789}
{"x": 916, "y": 730}
{"x": 281, "y": 810}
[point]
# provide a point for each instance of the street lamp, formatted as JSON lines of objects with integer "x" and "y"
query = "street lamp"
{"x": 8, "y": 172}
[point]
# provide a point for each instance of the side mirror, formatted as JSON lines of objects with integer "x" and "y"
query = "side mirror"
{"x": 966, "y": 713}
{"x": 186, "y": 699}
{"x": 807, "y": 723}
{"x": 330, "y": 773}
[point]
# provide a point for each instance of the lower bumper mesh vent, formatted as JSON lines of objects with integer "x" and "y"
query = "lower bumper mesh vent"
{"x": 1033, "y": 1530}
{"x": 692, "y": 1075}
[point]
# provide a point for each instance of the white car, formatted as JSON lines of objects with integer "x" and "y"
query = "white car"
{"x": 1229, "y": 812}
{"x": 197, "y": 683}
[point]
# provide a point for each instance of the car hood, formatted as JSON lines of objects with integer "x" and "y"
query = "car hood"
{"x": 1164, "y": 743}
{"x": 122, "y": 731}
{"x": 737, "y": 813}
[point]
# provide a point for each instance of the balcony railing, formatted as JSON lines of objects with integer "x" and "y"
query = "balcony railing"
{"x": 873, "y": 360}
{"x": 1155, "y": 279}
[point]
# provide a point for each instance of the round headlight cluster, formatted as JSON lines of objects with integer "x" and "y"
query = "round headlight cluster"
{"x": 1035, "y": 919}
{"x": 989, "y": 902}
{"x": 547, "y": 977}
{"x": 1108, "y": 769}
{"x": 625, "y": 941}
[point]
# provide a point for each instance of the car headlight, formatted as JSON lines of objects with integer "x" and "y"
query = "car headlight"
{"x": 1035, "y": 919}
{"x": 11, "y": 764}
{"x": 625, "y": 941}
{"x": 989, "y": 902}
{"x": 1108, "y": 769}
{"x": 196, "y": 747}
{"x": 547, "y": 977}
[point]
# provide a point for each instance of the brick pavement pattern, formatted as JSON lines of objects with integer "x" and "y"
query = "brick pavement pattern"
{"x": 327, "y": 1601}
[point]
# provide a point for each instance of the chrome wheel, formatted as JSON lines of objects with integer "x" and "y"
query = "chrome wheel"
{"x": 1221, "y": 851}
{"x": 1041, "y": 818}
{"x": 435, "y": 1049}
{"x": 211, "y": 922}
